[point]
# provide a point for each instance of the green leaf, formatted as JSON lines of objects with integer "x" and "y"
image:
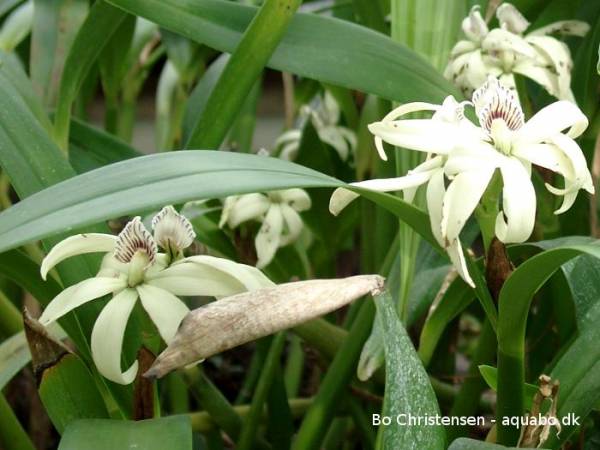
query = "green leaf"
{"x": 12, "y": 434}
{"x": 363, "y": 59}
{"x": 96, "y": 434}
{"x": 7, "y": 5}
{"x": 514, "y": 302}
{"x": 55, "y": 25}
{"x": 16, "y": 27}
{"x": 68, "y": 392}
{"x": 242, "y": 71}
{"x": 14, "y": 355}
{"x": 101, "y": 23}
{"x": 153, "y": 181}
{"x": 408, "y": 390}
{"x": 472, "y": 444}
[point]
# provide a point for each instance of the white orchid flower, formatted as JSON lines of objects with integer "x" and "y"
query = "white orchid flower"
{"x": 324, "y": 117}
{"x": 467, "y": 156}
{"x": 278, "y": 212}
{"x": 132, "y": 269}
{"x": 505, "y": 51}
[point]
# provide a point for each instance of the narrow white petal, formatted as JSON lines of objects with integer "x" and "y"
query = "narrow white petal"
{"x": 296, "y": 198}
{"x": 78, "y": 294}
{"x": 511, "y": 19}
{"x": 540, "y": 74}
{"x": 552, "y": 120}
{"x": 499, "y": 40}
{"x": 331, "y": 136}
{"x": 247, "y": 207}
{"x": 426, "y": 135}
{"x": 461, "y": 199}
{"x": 341, "y": 198}
{"x": 565, "y": 27}
{"x": 165, "y": 310}
{"x": 293, "y": 225}
{"x": 228, "y": 203}
{"x": 268, "y": 237}
{"x": 77, "y": 245}
{"x": 516, "y": 222}
{"x": 457, "y": 257}
{"x": 250, "y": 277}
{"x": 107, "y": 337}
{"x": 546, "y": 155}
{"x": 474, "y": 26}
{"x": 435, "y": 196}
{"x": 435, "y": 200}
{"x": 558, "y": 55}
{"x": 289, "y": 151}
{"x": 288, "y": 136}
{"x": 476, "y": 70}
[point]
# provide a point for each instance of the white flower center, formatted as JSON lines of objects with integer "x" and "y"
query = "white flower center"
{"x": 136, "y": 247}
{"x": 499, "y": 113}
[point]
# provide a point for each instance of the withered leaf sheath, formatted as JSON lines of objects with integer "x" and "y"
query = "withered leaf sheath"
{"x": 242, "y": 318}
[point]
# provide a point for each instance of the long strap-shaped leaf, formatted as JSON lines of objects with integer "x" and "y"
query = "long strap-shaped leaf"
{"x": 327, "y": 49}
{"x": 153, "y": 181}
{"x": 514, "y": 302}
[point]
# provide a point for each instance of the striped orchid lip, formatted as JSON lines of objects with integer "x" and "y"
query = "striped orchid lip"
{"x": 172, "y": 231}
{"x": 496, "y": 102}
{"x": 133, "y": 239}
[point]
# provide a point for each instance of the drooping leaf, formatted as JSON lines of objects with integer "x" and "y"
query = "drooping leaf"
{"x": 153, "y": 181}
{"x": 408, "y": 390}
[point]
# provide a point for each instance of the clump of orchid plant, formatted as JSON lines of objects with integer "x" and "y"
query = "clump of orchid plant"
{"x": 278, "y": 213}
{"x": 509, "y": 50}
{"x": 463, "y": 157}
{"x": 324, "y": 115}
{"x": 132, "y": 269}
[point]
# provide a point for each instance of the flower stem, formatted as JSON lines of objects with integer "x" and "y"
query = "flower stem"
{"x": 11, "y": 321}
{"x": 319, "y": 416}
{"x": 252, "y": 420}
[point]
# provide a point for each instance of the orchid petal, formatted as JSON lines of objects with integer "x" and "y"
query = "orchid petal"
{"x": 107, "y": 337}
{"x": 565, "y": 27}
{"x": 547, "y": 156}
{"x": 461, "y": 199}
{"x": 476, "y": 71}
{"x": 550, "y": 121}
{"x": 296, "y": 198}
{"x": 247, "y": 207}
{"x": 293, "y": 223}
{"x": 268, "y": 238}
{"x": 569, "y": 147}
{"x": 558, "y": 55}
{"x": 331, "y": 136}
{"x": 426, "y": 135}
{"x": 78, "y": 294}
{"x": 165, "y": 310}
{"x": 77, "y": 245}
{"x": 474, "y": 26}
{"x": 540, "y": 74}
{"x": 515, "y": 223}
{"x": 435, "y": 196}
{"x": 499, "y": 40}
{"x": 511, "y": 19}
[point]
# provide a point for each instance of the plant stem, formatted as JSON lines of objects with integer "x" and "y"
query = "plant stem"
{"x": 248, "y": 433}
{"x": 468, "y": 399}
{"x": 203, "y": 422}
{"x": 12, "y": 435}
{"x": 241, "y": 72}
{"x": 319, "y": 416}
{"x": 294, "y": 367}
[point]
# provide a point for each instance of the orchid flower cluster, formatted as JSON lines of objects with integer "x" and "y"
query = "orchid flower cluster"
{"x": 278, "y": 213}
{"x": 324, "y": 116}
{"x": 462, "y": 158}
{"x": 505, "y": 51}
{"x": 132, "y": 269}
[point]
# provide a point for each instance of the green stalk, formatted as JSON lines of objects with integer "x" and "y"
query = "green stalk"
{"x": 324, "y": 336}
{"x": 12, "y": 435}
{"x": 252, "y": 420}
{"x": 319, "y": 416}
{"x": 241, "y": 72}
{"x": 363, "y": 425}
{"x": 215, "y": 404}
{"x": 11, "y": 321}
{"x": 253, "y": 372}
{"x": 294, "y": 367}
{"x": 203, "y": 422}
{"x": 468, "y": 399}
